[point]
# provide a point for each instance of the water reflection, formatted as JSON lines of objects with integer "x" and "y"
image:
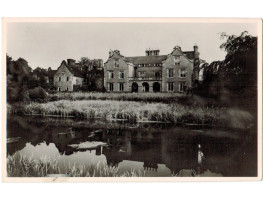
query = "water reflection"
{"x": 157, "y": 149}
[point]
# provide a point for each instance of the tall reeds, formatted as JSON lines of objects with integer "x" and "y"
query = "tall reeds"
{"x": 24, "y": 166}
{"x": 125, "y": 110}
{"x": 146, "y": 97}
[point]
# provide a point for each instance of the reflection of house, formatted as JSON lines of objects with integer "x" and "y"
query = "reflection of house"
{"x": 152, "y": 148}
{"x": 174, "y": 72}
{"x": 176, "y": 148}
{"x": 62, "y": 137}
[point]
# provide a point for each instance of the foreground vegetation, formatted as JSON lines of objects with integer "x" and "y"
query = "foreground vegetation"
{"x": 22, "y": 166}
{"x": 137, "y": 112}
{"x": 146, "y": 97}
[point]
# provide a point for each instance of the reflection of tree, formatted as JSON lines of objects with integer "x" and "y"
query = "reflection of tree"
{"x": 176, "y": 148}
{"x": 18, "y": 126}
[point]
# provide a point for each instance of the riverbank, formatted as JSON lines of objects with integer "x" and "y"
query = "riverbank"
{"x": 23, "y": 166}
{"x": 132, "y": 111}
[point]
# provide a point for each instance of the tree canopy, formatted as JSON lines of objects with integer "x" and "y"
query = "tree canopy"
{"x": 236, "y": 75}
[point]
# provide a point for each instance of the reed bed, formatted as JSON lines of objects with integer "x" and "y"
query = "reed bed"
{"x": 24, "y": 166}
{"x": 146, "y": 97}
{"x": 129, "y": 111}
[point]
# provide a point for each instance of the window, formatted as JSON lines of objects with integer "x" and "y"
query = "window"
{"x": 111, "y": 86}
{"x": 59, "y": 78}
{"x": 117, "y": 63}
{"x": 121, "y": 75}
{"x": 176, "y": 59}
{"x": 67, "y": 78}
{"x": 121, "y": 87}
{"x": 182, "y": 73}
{"x": 157, "y": 75}
{"x": 111, "y": 76}
{"x": 170, "y": 73}
{"x": 59, "y": 89}
{"x": 182, "y": 87}
{"x": 141, "y": 74}
{"x": 170, "y": 87}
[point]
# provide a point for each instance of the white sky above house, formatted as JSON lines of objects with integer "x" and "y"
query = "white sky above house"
{"x": 47, "y": 44}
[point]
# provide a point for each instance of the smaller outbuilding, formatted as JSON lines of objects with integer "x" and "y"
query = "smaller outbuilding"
{"x": 68, "y": 77}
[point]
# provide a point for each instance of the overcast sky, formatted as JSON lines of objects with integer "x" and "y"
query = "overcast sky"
{"x": 47, "y": 44}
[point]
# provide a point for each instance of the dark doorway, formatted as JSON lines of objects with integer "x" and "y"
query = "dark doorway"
{"x": 156, "y": 87}
{"x": 145, "y": 87}
{"x": 134, "y": 87}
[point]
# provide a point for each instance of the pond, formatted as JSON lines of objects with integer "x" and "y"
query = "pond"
{"x": 158, "y": 150}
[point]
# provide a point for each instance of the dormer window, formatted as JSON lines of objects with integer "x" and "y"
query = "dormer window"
{"x": 177, "y": 59}
{"x": 117, "y": 63}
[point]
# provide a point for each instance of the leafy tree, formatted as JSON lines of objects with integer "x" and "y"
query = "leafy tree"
{"x": 239, "y": 69}
{"x": 18, "y": 75}
{"x": 235, "y": 78}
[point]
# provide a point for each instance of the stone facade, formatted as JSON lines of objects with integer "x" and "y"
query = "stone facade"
{"x": 66, "y": 78}
{"x": 175, "y": 72}
{"x": 117, "y": 73}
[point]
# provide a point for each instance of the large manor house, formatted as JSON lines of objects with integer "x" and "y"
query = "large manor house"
{"x": 175, "y": 72}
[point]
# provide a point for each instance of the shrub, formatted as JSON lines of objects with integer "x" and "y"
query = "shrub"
{"x": 38, "y": 94}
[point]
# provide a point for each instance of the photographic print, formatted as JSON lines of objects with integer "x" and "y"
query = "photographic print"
{"x": 132, "y": 99}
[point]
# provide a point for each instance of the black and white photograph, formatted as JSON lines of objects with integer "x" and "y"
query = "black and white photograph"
{"x": 135, "y": 98}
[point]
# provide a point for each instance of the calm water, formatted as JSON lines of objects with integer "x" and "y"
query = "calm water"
{"x": 156, "y": 149}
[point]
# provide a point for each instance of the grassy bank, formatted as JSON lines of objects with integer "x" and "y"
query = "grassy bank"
{"x": 138, "y": 111}
{"x": 21, "y": 166}
{"x": 146, "y": 97}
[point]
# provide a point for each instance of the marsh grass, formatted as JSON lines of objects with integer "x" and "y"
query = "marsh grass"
{"x": 101, "y": 170}
{"x": 132, "y": 112}
{"x": 24, "y": 166}
{"x": 146, "y": 97}
{"x": 126, "y": 110}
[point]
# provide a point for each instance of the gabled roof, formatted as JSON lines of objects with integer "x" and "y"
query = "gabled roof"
{"x": 146, "y": 59}
{"x": 189, "y": 54}
{"x": 74, "y": 70}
